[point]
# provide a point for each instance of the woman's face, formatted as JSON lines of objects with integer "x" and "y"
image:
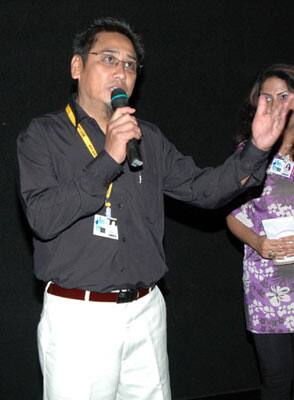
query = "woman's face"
{"x": 275, "y": 91}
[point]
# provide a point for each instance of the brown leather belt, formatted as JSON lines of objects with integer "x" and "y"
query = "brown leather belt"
{"x": 121, "y": 296}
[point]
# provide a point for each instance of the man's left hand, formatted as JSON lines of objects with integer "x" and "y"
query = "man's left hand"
{"x": 269, "y": 123}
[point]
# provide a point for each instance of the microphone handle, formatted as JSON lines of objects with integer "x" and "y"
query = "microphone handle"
{"x": 134, "y": 154}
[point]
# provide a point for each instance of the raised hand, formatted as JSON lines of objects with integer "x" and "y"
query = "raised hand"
{"x": 269, "y": 122}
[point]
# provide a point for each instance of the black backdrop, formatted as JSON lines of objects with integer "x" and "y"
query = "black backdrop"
{"x": 201, "y": 57}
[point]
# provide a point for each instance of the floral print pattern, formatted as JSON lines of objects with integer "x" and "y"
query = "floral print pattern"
{"x": 268, "y": 288}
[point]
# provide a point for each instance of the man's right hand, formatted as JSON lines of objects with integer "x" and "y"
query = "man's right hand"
{"x": 121, "y": 128}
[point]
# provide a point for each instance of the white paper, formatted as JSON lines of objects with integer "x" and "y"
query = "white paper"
{"x": 275, "y": 228}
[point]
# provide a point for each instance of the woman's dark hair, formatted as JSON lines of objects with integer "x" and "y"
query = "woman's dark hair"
{"x": 84, "y": 41}
{"x": 281, "y": 71}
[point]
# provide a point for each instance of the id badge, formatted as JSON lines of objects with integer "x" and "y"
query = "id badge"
{"x": 282, "y": 167}
{"x": 105, "y": 227}
{"x": 288, "y": 168}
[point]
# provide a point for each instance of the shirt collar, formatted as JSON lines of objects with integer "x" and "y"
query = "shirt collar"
{"x": 79, "y": 113}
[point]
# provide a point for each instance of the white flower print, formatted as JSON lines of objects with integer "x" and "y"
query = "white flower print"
{"x": 282, "y": 310}
{"x": 269, "y": 272}
{"x": 254, "y": 307}
{"x": 246, "y": 281}
{"x": 269, "y": 312}
{"x": 255, "y": 320}
{"x": 267, "y": 191}
{"x": 289, "y": 323}
{"x": 290, "y": 308}
{"x": 250, "y": 266}
{"x": 264, "y": 263}
{"x": 258, "y": 273}
{"x": 286, "y": 309}
{"x": 280, "y": 210}
{"x": 278, "y": 294}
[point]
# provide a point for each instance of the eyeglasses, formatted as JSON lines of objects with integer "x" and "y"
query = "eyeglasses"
{"x": 110, "y": 61}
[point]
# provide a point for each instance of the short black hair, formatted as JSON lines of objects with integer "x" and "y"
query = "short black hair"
{"x": 83, "y": 41}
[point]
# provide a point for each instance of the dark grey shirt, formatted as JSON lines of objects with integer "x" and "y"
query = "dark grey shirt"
{"x": 62, "y": 188}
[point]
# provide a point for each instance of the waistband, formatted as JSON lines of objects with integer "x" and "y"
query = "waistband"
{"x": 120, "y": 296}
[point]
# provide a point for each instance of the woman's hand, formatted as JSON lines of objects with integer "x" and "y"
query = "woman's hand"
{"x": 275, "y": 248}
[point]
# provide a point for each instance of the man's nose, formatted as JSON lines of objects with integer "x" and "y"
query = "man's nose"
{"x": 120, "y": 70}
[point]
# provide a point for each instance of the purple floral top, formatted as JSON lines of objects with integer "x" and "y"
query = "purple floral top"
{"x": 268, "y": 288}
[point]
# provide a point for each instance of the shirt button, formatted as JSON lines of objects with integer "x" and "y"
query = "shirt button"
{"x": 124, "y": 239}
{"x": 120, "y": 206}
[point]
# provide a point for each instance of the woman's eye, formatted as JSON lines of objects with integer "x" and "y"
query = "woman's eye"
{"x": 268, "y": 99}
{"x": 284, "y": 96}
{"x": 129, "y": 64}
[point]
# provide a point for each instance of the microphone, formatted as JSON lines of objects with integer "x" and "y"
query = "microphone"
{"x": 119, "y": 98}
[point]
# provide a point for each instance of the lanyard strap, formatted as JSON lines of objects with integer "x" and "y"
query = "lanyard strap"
{"x": 81, "y": 131}
{"x": 88, "y": 143}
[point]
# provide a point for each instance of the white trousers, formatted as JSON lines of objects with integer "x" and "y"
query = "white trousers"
{"x": 104, "y": 351}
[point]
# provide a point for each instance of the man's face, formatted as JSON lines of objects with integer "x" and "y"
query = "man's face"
{"x": 97, "y": 77}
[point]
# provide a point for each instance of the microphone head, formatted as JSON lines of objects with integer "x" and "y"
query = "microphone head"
{"x": 119, "y": 98}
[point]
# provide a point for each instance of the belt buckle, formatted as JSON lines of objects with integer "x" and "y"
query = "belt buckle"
{"x": 126, "y": 296}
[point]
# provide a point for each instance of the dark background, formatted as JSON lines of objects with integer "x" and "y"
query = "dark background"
{"x": 201, "y": 58}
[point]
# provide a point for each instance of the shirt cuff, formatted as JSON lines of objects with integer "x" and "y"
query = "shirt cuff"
{"x": 102, "y": 169}
{"x": 253, "y": 161}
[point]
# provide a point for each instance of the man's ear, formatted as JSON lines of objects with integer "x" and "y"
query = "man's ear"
{"x": 76, "y": 66}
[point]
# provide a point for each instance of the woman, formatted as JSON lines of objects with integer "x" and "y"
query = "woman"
{"x": 268, "y": 277}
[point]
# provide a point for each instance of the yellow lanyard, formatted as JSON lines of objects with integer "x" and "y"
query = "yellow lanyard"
{"x": 89, "y": 145}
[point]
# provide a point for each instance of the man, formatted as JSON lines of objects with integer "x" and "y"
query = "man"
{"x": 98, "y": 224}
